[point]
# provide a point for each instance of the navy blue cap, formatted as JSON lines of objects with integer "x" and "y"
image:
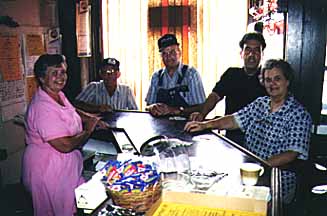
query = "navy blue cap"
{"x": 110, "y": 62}
{"x": 166, "y": 41}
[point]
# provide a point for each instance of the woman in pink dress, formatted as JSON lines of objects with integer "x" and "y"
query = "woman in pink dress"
{"x": 52, "y": 161}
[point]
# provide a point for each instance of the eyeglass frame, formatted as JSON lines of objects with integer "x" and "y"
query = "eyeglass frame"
{"x": 108, "y": 72}
{"x": 174, "y": 52}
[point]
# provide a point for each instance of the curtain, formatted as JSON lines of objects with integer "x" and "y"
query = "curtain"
{"x": 209, "y": 39}
{"x": 184, "y": 31}
{"x": 125, "y": 38}
{"x": 221, "y": 25}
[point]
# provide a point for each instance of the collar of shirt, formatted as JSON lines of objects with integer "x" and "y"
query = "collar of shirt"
{"x": 104, "y": 89}
{"x": 287, "y": 104}
{"x": 268, "y": 116}
{"x": 45, "y": 96}
{"x": 256, "y": 74}
{"x": 177, "y": 72}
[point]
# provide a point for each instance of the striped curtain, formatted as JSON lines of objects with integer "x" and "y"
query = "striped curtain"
{"x": 124, "y": 24}
{"x": 185, "y": 30}
{"x": 208, "y": 32}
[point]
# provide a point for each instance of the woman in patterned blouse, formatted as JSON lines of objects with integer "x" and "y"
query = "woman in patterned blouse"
{"x": 277, "y": 127}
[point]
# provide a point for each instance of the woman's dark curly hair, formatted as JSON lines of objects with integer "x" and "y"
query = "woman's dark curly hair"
{"x": 47, "y": 60}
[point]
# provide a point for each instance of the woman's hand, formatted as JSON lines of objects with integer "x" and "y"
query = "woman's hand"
{"x": 90, "y": 123}
{"x": 102, "y": 125}
{"x": 69, "y": 143}
{"x": 105, "y": 108}
{"x": 194, "y": 126}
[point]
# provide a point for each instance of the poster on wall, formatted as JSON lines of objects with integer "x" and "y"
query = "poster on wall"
{"x": 9, "y": 58}
{"x": 11, "y": 82}
{"x": 31, "y": 87}
{"x": 53, "y": 44}
{"x": 83, "y": 28}
{"x": 264, "y": 17}
{"x": 34, "y": 46}
{"x": 12, "y": 98}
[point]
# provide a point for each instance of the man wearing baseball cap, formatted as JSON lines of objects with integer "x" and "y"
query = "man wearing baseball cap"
{"x": 176, "y": 86}
{"x": 106, "y": 94}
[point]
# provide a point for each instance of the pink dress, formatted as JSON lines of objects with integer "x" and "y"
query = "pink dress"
{"x": 51, "y": 176}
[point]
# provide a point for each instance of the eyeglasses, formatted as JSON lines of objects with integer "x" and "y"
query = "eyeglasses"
{"x": 108, "y": 72}
{"x": 256, "y": 50}
{"x": 273, "y": 79}
{"x": 57, "y": 72}
{"x": 167, "y": 53}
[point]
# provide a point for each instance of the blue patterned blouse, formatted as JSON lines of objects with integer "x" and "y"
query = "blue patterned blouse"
{"x": 271, "y": 133}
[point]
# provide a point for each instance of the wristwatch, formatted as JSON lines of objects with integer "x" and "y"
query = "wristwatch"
{"x": 181, "y": 110}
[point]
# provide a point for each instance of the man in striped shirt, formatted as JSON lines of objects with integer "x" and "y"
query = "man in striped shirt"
{"x": 177, "y": 85}
{"x": 107, "y": 94}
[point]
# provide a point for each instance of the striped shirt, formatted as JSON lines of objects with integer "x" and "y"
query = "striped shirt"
{"x": 97, "y": 94}
{"x": 191, "y": 78}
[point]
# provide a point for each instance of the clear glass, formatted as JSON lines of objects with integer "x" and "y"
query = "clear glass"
{"x": 174, "y": 165}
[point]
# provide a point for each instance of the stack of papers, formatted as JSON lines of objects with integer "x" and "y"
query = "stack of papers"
{"x": 253, "y": 192}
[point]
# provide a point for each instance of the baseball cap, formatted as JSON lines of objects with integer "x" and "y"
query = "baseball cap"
{"x": 110, "y": 62}
{"x": 166, "y": 41}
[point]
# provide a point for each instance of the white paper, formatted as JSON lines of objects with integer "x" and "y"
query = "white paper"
{"x": 100, "y": 147}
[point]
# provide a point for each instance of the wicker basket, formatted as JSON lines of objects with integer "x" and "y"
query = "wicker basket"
{"x": 137, "y": 201}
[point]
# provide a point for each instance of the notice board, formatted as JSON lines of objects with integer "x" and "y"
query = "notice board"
{"x": 20, "y": 48}
{"x": 12, "y": 90}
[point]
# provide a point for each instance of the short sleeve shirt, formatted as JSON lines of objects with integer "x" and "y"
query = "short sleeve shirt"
{"x": 97, "y": 94}
{"x": 64, "y": 119}
{"x": 51, "y": 176}
{"x": 239, "y": 89}
{"x": 269, "y": 134}
{"x": 191, "y": 78}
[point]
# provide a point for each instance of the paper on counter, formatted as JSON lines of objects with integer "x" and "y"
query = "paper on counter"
{"x": 253, "y": 192}
{"x": 91, "y": 194}
{"x": 100, "y": 146}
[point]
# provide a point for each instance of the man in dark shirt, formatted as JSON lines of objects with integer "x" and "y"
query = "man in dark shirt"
{"x": 240, "y": 86}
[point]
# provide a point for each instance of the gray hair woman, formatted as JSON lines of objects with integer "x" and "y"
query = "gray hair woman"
{"x": 277, "y": 127}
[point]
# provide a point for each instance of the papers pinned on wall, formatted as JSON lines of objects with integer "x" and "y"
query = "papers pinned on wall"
{"x": 10, "y": 58}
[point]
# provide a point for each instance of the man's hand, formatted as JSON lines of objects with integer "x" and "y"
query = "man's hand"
{"x": 196, "y": 116}
{"x": 159, "y": 109}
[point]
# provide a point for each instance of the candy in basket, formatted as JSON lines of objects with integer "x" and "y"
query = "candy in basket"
{"x": 132, "y": 184}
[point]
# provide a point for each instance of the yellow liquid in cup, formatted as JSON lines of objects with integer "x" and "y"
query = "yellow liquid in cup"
{"x": 250, "y": 173}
